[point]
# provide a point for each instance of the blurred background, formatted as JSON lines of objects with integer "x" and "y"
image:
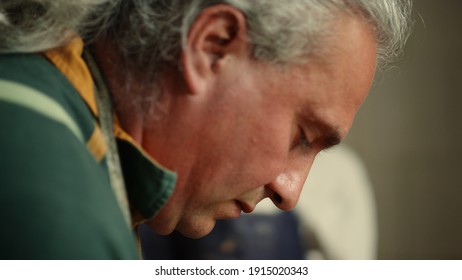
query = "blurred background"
{"x": 409, "y": 135}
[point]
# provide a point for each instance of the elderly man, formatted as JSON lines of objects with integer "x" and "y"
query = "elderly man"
{"x": 177, "y": 113}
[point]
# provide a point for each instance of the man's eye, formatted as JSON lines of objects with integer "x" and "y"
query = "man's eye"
{"x": 300, "y": 140}
{"x": 304, "y": 140}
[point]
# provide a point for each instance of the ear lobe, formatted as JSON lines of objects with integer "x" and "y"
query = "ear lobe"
{"x": 216, "y": 35}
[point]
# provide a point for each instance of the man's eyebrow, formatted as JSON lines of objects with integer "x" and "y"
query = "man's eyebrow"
{"x": 332, "y": 139}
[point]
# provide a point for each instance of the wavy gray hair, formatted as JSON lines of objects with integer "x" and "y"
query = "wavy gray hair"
{"x": 151, "y": 32}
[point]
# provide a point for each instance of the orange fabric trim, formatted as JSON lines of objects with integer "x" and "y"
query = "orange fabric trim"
{"x": 96, "y": 144}
{"x": 68, "y": 59}
{"x": 121, "y": 134}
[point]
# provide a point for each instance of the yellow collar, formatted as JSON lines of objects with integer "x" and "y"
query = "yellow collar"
{"x": 68, "y": 59}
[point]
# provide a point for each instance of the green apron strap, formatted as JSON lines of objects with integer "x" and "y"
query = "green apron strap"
{"x": 103, "y": 101}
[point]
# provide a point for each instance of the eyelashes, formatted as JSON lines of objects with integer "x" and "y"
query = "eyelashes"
{"x": 301, "y": 140}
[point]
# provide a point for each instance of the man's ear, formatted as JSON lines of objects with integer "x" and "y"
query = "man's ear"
{"x": 217, "y": 35}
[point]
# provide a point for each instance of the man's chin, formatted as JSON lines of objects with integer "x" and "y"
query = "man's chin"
{"x": 159, "y": 229}
{"x": 195, "y": 230}
{"x": 194, "y": 226}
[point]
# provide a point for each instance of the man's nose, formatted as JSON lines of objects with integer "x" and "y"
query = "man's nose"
{"x": 285, "y": 189}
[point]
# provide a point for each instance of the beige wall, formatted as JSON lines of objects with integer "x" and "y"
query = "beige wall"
{"x": 409, "y": 133}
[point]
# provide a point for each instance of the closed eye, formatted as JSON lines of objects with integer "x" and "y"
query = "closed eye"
{"x": 303, "y": 140}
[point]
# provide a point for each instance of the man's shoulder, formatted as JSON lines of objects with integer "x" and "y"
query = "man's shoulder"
{"x": 54, "y": 197}
{"x": 36, "y": 72}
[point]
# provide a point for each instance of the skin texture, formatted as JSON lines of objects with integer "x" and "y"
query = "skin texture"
{"x": 238, "y": 130}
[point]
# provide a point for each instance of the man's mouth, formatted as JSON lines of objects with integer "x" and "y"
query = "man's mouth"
{"x": 245, "y": 207}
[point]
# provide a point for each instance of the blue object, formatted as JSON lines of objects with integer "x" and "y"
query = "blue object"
{"x": 255, "y": 236}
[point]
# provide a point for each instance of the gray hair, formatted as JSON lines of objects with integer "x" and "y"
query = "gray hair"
{"x": 37, "y": 25}
{"x": 152, "y": 32}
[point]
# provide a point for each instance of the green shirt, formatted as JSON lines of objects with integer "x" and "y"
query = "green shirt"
{"x": 55, "y": 198}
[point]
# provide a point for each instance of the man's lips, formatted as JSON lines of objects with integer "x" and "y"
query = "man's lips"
{"x": 246, "y": 208}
